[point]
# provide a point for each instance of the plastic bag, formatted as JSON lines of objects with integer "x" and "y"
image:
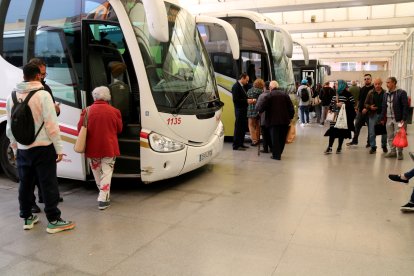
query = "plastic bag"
{"x": 400, "y": 139}
{"x": 341, "y": 121}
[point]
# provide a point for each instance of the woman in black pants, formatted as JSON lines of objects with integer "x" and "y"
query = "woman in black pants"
{"x": 343, "y": 96}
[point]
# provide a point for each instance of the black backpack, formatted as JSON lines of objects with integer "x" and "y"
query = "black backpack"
{"x": 22, "y": 122}
{"x": 304, "y": 94}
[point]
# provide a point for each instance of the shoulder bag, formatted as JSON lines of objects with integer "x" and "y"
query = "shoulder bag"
{"x": 80, "y": 143}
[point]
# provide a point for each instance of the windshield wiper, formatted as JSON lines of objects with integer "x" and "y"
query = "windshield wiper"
{"x": 187, "y": 93}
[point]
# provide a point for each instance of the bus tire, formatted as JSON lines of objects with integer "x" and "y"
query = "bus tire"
{"x": 7, "y": 160}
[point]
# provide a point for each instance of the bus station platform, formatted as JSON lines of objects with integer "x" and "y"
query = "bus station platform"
{"x": 242, "y": 214}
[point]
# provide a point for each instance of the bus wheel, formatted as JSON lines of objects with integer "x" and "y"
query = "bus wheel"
{"x": 7, "y": 161}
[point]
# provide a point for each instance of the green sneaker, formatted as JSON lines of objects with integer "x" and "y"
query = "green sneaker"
{"x": 30, "y": 222}
{"x": 59, "y": 226}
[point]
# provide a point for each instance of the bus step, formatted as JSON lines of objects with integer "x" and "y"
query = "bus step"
{"x": 127, "y": 165}
{"x": 132, "y": 131}
{"x": 129, "y": 147}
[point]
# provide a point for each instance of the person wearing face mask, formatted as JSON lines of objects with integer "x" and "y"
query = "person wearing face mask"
{"x": 41, "y": 64}
{"x": 362, "y": 118}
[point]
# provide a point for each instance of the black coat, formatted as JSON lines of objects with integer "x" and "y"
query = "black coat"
{"x": 278, "y": 106}
{"x": 239, "y": 96}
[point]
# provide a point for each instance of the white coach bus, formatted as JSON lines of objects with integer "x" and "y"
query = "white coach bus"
{"x": 172, "y": 108}
{"x": 265, "y": 52}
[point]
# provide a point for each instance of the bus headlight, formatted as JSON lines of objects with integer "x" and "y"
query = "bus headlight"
{"x": 163, "y": 144}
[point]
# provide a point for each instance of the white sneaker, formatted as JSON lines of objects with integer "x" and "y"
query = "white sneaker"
{"x": 302, "y": 125}
{"x": 307, "y": 124}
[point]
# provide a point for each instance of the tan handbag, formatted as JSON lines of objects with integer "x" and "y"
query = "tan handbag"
{"x": 80, "y": 143}
{"x": 290, "y": 137}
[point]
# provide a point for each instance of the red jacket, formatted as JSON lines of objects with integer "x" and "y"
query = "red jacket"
{"x": 104, "y": 123}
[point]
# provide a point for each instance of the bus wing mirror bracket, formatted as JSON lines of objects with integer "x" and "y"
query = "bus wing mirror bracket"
{"x": 157, "y": 19}
{"x": 230, "y": 32}
{"x": 305, "y": 52}
{"x": 287, "y": 38}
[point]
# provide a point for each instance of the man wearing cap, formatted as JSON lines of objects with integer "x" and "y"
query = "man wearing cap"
{"x": 304, "y": 102}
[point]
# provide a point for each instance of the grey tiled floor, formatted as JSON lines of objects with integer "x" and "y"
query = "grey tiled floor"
{"x": 243, "y": 214}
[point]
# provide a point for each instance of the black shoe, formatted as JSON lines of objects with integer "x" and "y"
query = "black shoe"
{"x": 240, "y": 148}
{"x": 409, "y": 207}
{"x": 244, "y": 146}
{"x": 352, "y": 143}
{"x": 328, "y": 150}
{"x": 411, "y": 154}
{"x": 274, "y": 158}
{"x": 367, "y": 145}
{"x": 35, "y": 209}
{"x": 396, "y": 177}
{"x": 338, "y": 151}
{"x": 372, "y": 150}
{"x": 385, "y": 150}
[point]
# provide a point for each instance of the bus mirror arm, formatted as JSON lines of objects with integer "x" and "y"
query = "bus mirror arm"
{"x": 228, "y": 28}
{"x": 157, "y": 19}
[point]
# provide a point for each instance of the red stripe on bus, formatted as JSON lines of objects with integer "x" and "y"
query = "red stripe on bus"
{"x": 2, "y": 104}
{"x": 144, "y": 135}
{"x": 69, "y": 130}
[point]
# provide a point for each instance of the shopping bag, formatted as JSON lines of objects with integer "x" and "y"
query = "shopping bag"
{"x": 331, "y": 117}
{"x": 400, "y": 139}
{"x": 316, "y": 100}
{"x": 380, "y": 129}
{"x": 80, "y": 144}
{"x": 341, "y": 121}
{"x": 290, "y": 137}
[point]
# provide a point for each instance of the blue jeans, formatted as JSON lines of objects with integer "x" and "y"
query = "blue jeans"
{"x": 38, "y": 163}
{"x": 304, "y": 112}
{"x": 371, "y": 132}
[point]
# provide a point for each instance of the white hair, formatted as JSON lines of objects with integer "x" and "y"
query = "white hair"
{"x": 273, "y": 85}
{"x": 101, "y": 93}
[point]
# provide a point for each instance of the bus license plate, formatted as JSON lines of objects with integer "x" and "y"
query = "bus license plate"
{"x": 205, "y": 155}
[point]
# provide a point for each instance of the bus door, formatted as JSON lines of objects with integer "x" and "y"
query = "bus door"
{"x": 255, "y": 65}
{"x": 107, "y": 62}
{"x": 62, "y": 77}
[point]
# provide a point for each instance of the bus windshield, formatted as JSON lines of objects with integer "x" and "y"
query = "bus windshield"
{"x": 282, "y": 68}
{"x": 179, "y": 71}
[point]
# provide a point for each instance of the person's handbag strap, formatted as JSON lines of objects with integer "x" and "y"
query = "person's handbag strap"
{"x": 85, "y": 119}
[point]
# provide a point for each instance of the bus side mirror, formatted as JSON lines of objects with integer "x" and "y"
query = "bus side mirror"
{"x": 157, "y": 19}
{"x": 230, "y": 32}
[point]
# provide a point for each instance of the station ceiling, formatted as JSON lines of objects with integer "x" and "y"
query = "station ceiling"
{"x": 332, "y": 30}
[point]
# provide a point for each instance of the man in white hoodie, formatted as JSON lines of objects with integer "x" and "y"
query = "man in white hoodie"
{"x": 38, "y": 160}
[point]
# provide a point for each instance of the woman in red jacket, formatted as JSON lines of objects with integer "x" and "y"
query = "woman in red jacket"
{"x": 104, "y": 124}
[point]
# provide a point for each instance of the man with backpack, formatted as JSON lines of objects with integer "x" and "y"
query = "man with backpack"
{"x": 34, "y": 135}
{"x": 42, "y": 67}
{"x": 305, "y": 95}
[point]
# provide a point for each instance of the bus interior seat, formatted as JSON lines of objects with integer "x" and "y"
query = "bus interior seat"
{"x": 97, "y": 70}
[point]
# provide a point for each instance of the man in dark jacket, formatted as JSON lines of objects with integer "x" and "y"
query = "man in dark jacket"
{"x": 279, "y": 112}
{"x": 394, "y": 114}
{"x": 240, "y": 111}
{"x": 362, "y": 117}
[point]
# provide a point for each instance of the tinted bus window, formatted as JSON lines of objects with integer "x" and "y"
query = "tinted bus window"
{"x": 13, "y": 32}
